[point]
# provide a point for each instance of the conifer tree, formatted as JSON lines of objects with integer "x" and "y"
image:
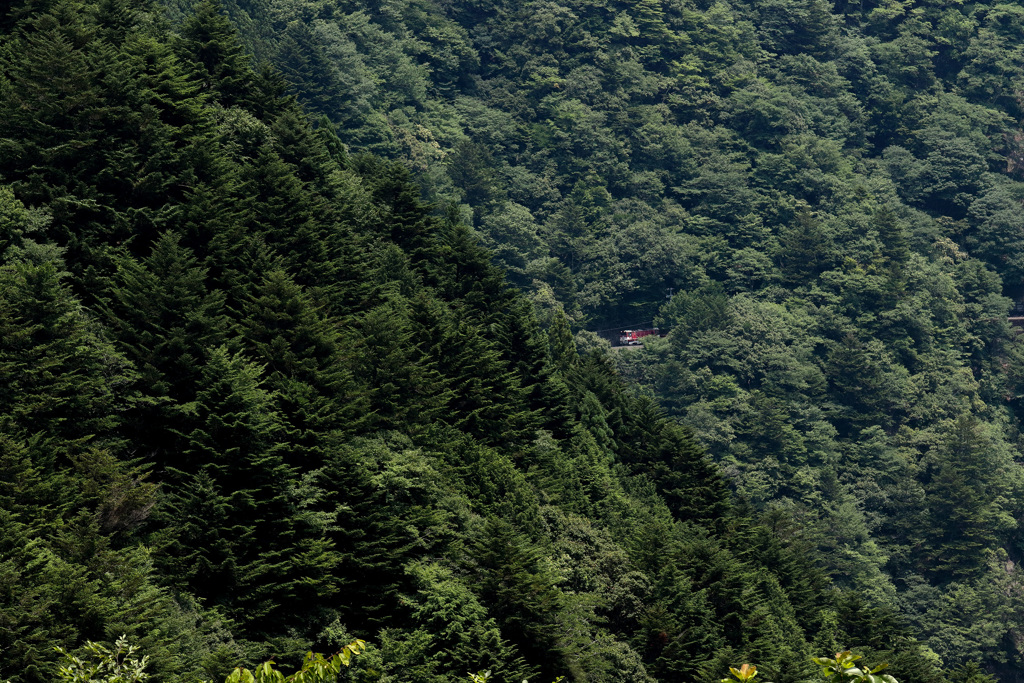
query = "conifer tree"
{"x": 463, "y": 635}
{"x": 302, "y": 60}
{"x": 307, "y": 150}
{"x": 517, "y": 589}
{"x": 404, "y": 388}
{"x": 463, "y": 270}
{"x": 667, "y": 453}
{"x": 525, "y": 346}
{"x": 801, "y": 253}
{"x": 678, "y": 629}
{"x": 52, "y": 90}
{"x": 404, "y": 218}
{"x": 63, "y": 382}
{"x": 964, "y": 497}
{"x": 165, "y": 319}
{"x": 63, "y": 491}
{"x": 306, "y": 365}
{"x": 209, "y": 42}
{"x": 131, "y": 95}
{"x": 486, "y": 398}
{"x": 232, "y": 470}
{"x": 279, "y": 209}
{"x": 388, "y": 517}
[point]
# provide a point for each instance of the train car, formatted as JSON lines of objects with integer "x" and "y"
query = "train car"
{"x": 633, "y": 337}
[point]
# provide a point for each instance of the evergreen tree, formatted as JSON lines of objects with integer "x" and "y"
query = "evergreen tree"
{"x": 232, "y": 470}
{"x": 63, "y": 491}
{"x": 165, "y": 316}
{"x": 209, "y": 42}
{"x": 303, "y": 353}
{"x": 403, "y": 386}
{"x": 667, "y": 453}
{"x": 462, "y": 634}
{"x": 388, "y": 517}
{"x": 517, "y": 589}
{"x": 486, "y": 398}
{"x": 964, "y": 497}
{"x": 404, "y": 217}
{"x": 63, "y": 381}
{"x": 803, "y": 250}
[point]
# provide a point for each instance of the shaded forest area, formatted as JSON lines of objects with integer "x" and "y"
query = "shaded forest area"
{"x": 265, "y": 391}
{"x": 821, "y": 200}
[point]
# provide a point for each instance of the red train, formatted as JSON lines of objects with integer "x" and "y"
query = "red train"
{"x": 632, "y": 337}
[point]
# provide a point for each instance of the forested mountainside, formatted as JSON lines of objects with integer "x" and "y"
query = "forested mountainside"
{"x": 822, "y": 202}
{"x": 260, "y": 397}
{"x": 257, "y": 397}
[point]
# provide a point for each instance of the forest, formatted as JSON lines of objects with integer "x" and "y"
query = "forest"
{"x": 299, "y": 314}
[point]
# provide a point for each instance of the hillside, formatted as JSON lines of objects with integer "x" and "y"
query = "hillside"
{"x": 821, "y": 201}
{"x": 259, "y": 397}
{"x": 265, "y": 391}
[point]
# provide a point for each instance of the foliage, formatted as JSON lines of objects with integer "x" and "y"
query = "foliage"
{"x": 316, "y": 668}
{"x": 743, "y": 674}
{"x": 261, "y": 383}
{"x": 104, "y": 665}
{"x": 845, "y": 668}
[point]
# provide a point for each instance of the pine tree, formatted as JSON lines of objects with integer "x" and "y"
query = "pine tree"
{"x": 48, "y": 139}
{"x": 311, "y": 72}
{"x": 562, "y": 346}
{"x": 305, "y": 362}
{"x": 165, "y": 319}
{"x": 963, "y": 496}
{"x": 388, "y": 516}
{"x": 526, "y": 348}
{"x": 678, "y": 629}
{"x": 679, "y": 468}
{"x": 232, "y": 532}
{"x": 518, "y": 591}
{"x": 63, "y": 491}
{"x": 209, "y": 42}
{"x": 62, "y": 379}
{"x": 593, "y": 418}
{"x": 804, "y": 250}
{"x": 858, "y": 384}
{"x": 307, "y": 150}
{"x": 463, "y": 636}
{"x": 110, "y": 134}
{"x": 486, "y": 398}
{"x": 279, "y": 210}
{"x": 463, "y": 271}
{"x": 402, "y": 384}
{"x": 404, "y": 219}
{"x": 893, "y": 235}
{"x": 472, "y": 171}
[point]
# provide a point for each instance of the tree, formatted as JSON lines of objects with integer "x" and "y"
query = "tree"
{"x": 117, "y": 665}
{"x": 165, "y": 318}
{"x": 517, "y": 589}
{"x": 463, "y": 637}
{"x": 964, "y": 494}
{"x": 210, "y": 44}
{"x": 306, "y": 365}
{"x": 233, "y": 534}
{"x": 64, "y": 382}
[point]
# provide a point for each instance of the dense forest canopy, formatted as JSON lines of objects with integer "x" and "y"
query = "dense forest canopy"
{"x": 264, "y": 390}
{"x": 822, "y": 202}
